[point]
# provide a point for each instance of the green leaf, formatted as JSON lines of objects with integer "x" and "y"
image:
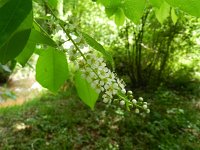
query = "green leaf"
{"x": 111, "y": 6}
{"x": 111, "y": 3}
{"x": 174, "y": 16}
{"x": 191, "y": 7}
{"x": 2, "y": 2}
{"x": 87, "y": 94}
{"x": 134, "y": 9}
{"x": 163, "y": 12}
{"x": 14, "y": 46}
{"x": 110, "y": 11}
{"x": 156, "y": 3}
{"x": 27, "y": 52}
{"x": 94, "y": 44}
{"x": 38, "y": 37}
{"x": 119, "y": 17}
{"x": 52, "y": 69}
{"x": 53, "y": 3}
{"x": 17, "y": 41}
{"x": 12, "y": 14}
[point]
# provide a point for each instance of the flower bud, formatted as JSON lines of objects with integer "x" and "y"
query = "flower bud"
{"x": 148, "y": 111}
{"x": 122, "y": 103}
{"x": 105, "y": 100}
{"x": 134, "y": 101}
{"x": 130, "y": 96}
{"x": 145, "y": 106}
{"x": 123, "y": 91}
{"x": 129, "y": 92}
{"x": 140, "y": 99}
{"x": 137, "y": 111}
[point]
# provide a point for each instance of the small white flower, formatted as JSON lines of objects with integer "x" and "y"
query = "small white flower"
{"x": 148, "y": 111}
{"x": 120, "y": 83}
{"x": 137, "y": 111}
{"x": 106, "y": 100}
{"x": 103, "y": 64}
{"x": 73, "y": 36}
{"x": 92, "y": 75}
{"x": 94, "y": 83}
{"x": 122, "y": 103}
{"x": 144, "y": 106}
{"x": 101, "y": 83}
{"x": 98, "y": 90}
{"x": 67, "y": 45}
{"x": 109, "y": 93}
{"x": 71, "y": 27}
{"x": 134, "y": 101}
{"x": 71, "y": 47}
{"x": 123, "y": 91}
{"x": 140, "y": 99}
{"x": 77, "y": 39}
{"x": 130, "y": 92}
{"x": 107, "y": 86}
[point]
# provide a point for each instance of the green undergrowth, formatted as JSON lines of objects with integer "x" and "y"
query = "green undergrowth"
{"x": 59, "y": 122}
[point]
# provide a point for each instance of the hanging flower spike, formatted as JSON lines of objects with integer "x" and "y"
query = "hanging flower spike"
{"x": 95, "y": 71}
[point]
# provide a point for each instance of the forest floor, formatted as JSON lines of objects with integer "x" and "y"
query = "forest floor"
{"x": 62, "y": 121}
{"x": 18, "y": 91}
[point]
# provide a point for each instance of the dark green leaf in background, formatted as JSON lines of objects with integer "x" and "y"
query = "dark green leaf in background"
{"x": 27, "y": 52}
{"x": 36, "y": 37}
{"x": 14, "y": 46}
{"x": 12, "y": 14}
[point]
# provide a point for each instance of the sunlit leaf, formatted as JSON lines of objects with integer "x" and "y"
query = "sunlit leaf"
{"x": 40, "y": 38}
{"x": 110, "y": 3}
{"x": 174, "y": 16}
{"x": 163, "y": 12}
{"x": 52, "y": 69}
{"x": 119, "y": 17}
{"x": 134, "y": 9}
{"x": 87, "y": 94}
{"x": 191, "y": 7}
{"x": 156, "y": 3}
{"x": 110, "y": 11}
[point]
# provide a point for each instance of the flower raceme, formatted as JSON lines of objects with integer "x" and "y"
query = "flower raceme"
{"x": 94, "y": 70}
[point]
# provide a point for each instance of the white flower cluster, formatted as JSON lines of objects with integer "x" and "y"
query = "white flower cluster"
{"x": 94, "y": 70}
{"x": 101, "y": 78}
{"x": 104, "y": 81}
